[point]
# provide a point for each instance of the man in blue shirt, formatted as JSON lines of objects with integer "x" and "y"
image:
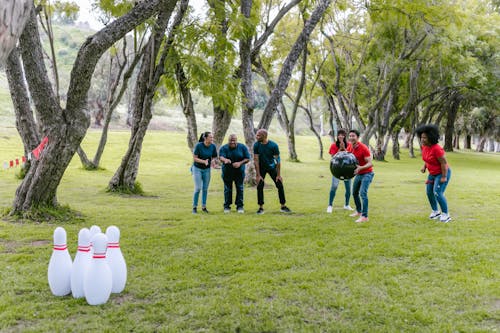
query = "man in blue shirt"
{"x": 233, "y": 156}
{"x": 267, "y": 161}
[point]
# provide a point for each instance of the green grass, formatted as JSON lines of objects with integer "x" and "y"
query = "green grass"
{"x": 305, "y": 272}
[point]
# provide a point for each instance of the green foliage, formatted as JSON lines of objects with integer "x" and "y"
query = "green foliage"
{"x": 305, "y": 272}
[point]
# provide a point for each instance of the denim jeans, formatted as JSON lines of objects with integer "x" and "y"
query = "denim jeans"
{"x": 435, "y": 191}
{"x": 229, "y": 176}
{"x": 201, "y": 179}
{"x": 360, "y": 189}
{"x": 333, "y": 190}
{"x": 279, "y": 185}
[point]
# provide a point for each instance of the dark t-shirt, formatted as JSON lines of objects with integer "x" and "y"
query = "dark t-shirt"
{"x": 238, "y": 154}
{"x": 204, "y": 152}
{"x": 266, "y": 154}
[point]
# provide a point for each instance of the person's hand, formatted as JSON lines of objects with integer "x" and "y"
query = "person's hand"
{"x": 236, "y": 165}
{"x": 422, "y": 170}
{"x": 258, "y": 179}
{"x": 227, "y": 161}
{"x": 443, "y": 179}
{"x": 357, "y": 170}
{"x": 279, "y": 179}
{"x": 206, "y": 162}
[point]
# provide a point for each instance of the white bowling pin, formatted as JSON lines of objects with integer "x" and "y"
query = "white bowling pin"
{"x": 59, "y": 271}
{"x": 95, "y": 229}
{"x": 81, "y": 263}
{"x": 115, "y": 259}
{"x": 98, "y": 280}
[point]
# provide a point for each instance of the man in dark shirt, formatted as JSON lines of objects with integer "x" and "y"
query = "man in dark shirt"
{"x": 233, "y": 156}
{"x": 267, "y": 161}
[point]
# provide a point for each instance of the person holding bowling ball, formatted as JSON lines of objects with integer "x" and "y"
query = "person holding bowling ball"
{"x": 341, "y": 144}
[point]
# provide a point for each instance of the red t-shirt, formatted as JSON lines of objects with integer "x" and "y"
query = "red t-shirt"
{"x": 334, "y": 149}
{"x": 430, "y": 155}
{"x": 360, "y": 150}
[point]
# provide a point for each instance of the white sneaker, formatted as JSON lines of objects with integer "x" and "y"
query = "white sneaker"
{"x": 329, "y": 209}
{"x": 445, "y": 218}
{"x": 227, "y": 210}
{"x": 355, "y": 214}
{"x": 348, "y": 207}
{"x": 241, "y": 210}
{"x": 435, "y": 214}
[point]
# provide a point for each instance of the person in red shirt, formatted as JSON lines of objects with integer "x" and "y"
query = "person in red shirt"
{"x": 364, "y": 176}
{"x": 439, "y": 171}
{"x": 340, "y": 145}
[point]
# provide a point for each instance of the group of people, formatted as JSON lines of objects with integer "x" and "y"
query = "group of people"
{"x": 234, "y": 156}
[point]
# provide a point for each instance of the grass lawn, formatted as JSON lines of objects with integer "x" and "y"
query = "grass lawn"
{"x": 305, "y": 272}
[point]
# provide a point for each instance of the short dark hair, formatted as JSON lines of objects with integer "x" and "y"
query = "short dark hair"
{"x": 341, "y": 131}
{"x": 431, "y": 130}
{"x": 355, "y": 132}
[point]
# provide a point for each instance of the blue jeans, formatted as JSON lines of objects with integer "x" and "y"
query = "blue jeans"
{"x": 201, "y": 179}
{"x": 435, "y": 191}
{"x": 360, "y": 189}
{"x": 333, "y": 190}
{"x": 229, "y": 176}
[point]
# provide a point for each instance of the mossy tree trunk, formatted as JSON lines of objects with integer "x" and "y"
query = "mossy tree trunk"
{"x": 65, "y": 128}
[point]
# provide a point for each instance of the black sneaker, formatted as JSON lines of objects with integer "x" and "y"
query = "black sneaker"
{"x": 260, "y": 211}
{"x": 204, "y": 210}
{"x": 195, "y": 210}
{"x": 285, "y": 209}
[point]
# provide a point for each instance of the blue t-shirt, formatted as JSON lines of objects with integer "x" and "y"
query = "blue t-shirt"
{"x": 237, "y": 154}
{"x": 266, "y": 153}
{"x": 204, "y": 152}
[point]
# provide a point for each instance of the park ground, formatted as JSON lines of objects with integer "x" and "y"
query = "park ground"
{"x": 305, "y": 272}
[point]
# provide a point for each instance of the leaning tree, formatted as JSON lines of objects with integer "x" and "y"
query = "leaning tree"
{"x": 64, "y": 126}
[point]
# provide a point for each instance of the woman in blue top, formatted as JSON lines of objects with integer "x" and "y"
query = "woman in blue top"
{"x": 203, "y": 155}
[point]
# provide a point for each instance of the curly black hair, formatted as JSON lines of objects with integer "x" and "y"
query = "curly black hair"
{"x": 431, "y": 130}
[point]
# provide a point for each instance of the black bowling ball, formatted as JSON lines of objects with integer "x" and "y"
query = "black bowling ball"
{"x": 343, "y": 164}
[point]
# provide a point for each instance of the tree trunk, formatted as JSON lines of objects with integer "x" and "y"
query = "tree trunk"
{"x": 450, "y": 121}
{"x": 289, "y": 64}
{"x": 248, "y": 100}
{"x": 395, "y": 145}
{"x": 313, "y": 129}
{"x": 149, "y": 75}
{"x": 481, "y": 144}
{"x": 468, "y": 141}
{"x": 456, "y": 141}
{"x": 66, "y": 128}
{"x": 220, "y": 124}
{"x": 25, "y": 122}
{"x": 186, "y": 101}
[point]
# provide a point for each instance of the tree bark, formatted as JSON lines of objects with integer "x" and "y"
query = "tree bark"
{"x": 65, "y": 128}
{"x": 25, "y": 122}
{"x": 248, "y": 100}
{"x": 450, "y": 121}
{"x": 289, "y": 64}
{"x": 186, "y": 101}
{"x": 149, "y": 75}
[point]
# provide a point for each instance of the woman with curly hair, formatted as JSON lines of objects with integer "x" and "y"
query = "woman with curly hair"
{"x": 439, "y": 171}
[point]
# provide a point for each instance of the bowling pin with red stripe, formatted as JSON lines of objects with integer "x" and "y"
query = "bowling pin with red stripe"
{"x": 81, "y": 263}
{"x": 59, "y": 271}
{"x": 98, "y": 280}
{"x": 115, "y": 259}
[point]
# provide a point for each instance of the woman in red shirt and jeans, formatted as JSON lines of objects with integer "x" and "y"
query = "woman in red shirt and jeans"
{"x": 439, "y": 171}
